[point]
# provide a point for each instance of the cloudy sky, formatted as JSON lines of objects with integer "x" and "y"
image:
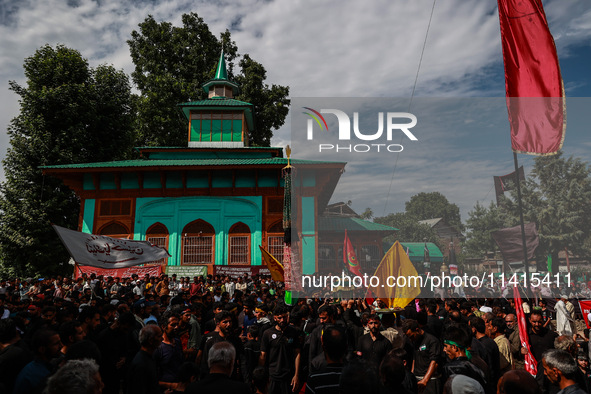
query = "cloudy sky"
{"x": 342, "y": 48}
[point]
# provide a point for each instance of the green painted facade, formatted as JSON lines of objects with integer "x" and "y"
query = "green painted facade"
{"x": 175, "y": 213}
{"x": 88, "y": 216}
{"x": 220, "y": 212}
{"x": 216, "y": 130}
{"x": 308, "y": 235}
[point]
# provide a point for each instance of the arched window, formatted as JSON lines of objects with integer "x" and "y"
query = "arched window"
{"x": 157, "y": 235}
{"x": 114, "y": 230}
{"x": 198, "y": 243}
{"x": 275, "y": 240}
{"x": 239, "y": 250}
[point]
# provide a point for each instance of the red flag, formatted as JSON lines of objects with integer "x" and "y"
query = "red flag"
{"x": 585, "y": 310}
{"x": 369, "y": 297}
{"x": 531, "y": 364}
{"x": 535, "y": 93}
{"x": 349, "y": 257}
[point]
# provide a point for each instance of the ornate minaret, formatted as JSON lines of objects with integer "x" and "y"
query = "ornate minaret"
{"x": 220, "y": 120}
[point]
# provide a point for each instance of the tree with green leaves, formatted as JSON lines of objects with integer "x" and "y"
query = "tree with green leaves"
{"x": 434, "y": 205}
{"x": 481, "y": 223}
{"x": 556, "y": 196}
{"x": 367, "y": 214}
{"x": 69, "y": 113}
{"x": 171, "y": 64}
{"x": 409, "y": 229}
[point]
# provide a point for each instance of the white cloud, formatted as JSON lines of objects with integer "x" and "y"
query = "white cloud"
{"x": 320, "y": 49}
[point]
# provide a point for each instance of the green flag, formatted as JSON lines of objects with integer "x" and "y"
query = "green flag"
{"x": 287, "y": 297}
{"x": 550, "y": 263}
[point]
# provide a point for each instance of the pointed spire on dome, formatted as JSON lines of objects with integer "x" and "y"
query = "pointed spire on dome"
{"x": 220, "y": 85}
{"x": 221, "y": 72}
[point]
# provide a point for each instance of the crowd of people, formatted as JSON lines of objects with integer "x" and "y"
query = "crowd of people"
{"x": 236, "y": 335}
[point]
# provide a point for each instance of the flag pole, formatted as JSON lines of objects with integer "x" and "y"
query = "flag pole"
{"x": 525, "y": 261}
{"x": 288, "y": 259}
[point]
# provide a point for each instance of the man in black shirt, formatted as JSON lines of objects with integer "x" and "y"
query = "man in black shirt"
{"x": 262, "y": 322}
{"x": 210, "y": 325}
{"x": 334, "y": 345}
{"x": 326, "y": 317}
{"x": 142, "y": 375}
{"x": 252, "y": 353}
{"x": 222, "y": 333}
{"x": 434, "y": 322}
{"x": 540, "y": 340}
{"x": 489, "y": 351}
{"x": 221, "y": 360}
{"x": 540, "y": 337}
{"x": 373, "y": 346}
{"x": 392, "y": 375}
{"x": 561, "y": 369}
{"x": 116, "y": 348}
{"x": 427, "y": 356}
{"x": 546, "y": 314}
{"x": 280, "y": 353}
{"x": 13, "y": 355}
{"x": 455, "y": 345}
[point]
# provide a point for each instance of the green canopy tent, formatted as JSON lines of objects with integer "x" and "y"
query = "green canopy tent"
{"x": 416, "y": 251}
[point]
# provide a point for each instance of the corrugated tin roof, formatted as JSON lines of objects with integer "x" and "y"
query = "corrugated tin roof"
{"x": 208, "y": 148}
{"x": 188, "y": 162}
{"x": 202, "y": 153}
{"x": 216, "y": 102}
{"x": 336, "y": 223}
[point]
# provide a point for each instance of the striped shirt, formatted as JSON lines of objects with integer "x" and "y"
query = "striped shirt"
{"x": 325, "y": 381}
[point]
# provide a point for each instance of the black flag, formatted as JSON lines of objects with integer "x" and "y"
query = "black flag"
{"x": 506, "y": 182}
{"x": 511, "y": 245}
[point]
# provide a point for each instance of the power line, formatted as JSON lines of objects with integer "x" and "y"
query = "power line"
{"x": 410, "y": 103}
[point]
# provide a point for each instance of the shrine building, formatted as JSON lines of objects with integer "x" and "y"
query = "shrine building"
{"x": 214, "y": 201}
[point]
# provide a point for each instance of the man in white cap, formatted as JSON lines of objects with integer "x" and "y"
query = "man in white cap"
{"x": 486, "y": 309}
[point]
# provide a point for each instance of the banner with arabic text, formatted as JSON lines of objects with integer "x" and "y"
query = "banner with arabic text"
{"x": 106, "y": 252}
{"x": 153, "y": 270}
{"x": 234, "y": 271}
